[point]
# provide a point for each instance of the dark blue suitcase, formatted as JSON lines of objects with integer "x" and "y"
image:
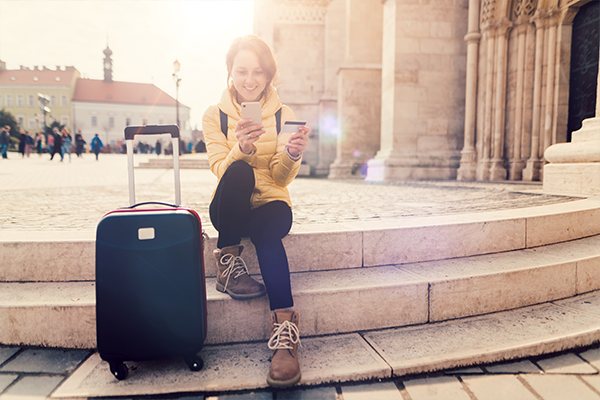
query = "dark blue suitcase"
{"x": 150, "y": 284}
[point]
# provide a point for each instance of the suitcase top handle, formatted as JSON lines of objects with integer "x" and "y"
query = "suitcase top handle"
{"x": 132, "y": 131}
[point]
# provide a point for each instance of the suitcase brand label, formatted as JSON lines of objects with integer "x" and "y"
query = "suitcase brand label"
{"x": 146, "y": 233}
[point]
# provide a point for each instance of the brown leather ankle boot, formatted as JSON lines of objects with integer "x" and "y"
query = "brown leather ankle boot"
{"x": 285, "y": 338}
{"x": 232, "y": 275}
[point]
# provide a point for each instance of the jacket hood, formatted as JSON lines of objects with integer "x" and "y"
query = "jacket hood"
{"x": 269, "y": 103}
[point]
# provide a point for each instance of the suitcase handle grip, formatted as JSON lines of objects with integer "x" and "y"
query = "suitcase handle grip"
{"x": 132, "y": 131}
{"x": 151, "y": 202}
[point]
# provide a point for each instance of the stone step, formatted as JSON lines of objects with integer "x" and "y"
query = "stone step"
{"x": 70, "y": 256}
{"x": 387, "y": 353}
{"x": 62, "y": 314}
{"x": 167, "y": 163}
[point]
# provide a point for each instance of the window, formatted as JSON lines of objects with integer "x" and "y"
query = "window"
{"x": 20, "y": 100}
{"x": 63, "y": 101}
{"x": 32, "y": 124}
{"x": 94, "y": 121}
{"x": 64, "y": 120}
{"x": 30, "y": 101}
{"x": 111, "y": 122}
{"x": 0, "y": 100}
{"x": 9, "y": 100}
{"x": 53, "y": 101}
{"x": 21, "y": 120}
{"x": 127, "y": 121}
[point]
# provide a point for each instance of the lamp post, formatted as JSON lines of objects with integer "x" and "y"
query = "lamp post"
{"x": 176, "y": 67}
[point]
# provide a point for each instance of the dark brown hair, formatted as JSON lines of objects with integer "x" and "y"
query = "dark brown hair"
{"x": 259, "y": 47}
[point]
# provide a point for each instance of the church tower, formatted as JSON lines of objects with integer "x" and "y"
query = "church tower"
{"x": 107, "y": 65}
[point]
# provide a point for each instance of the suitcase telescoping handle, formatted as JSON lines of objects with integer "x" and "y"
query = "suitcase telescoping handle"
{"x": 131, "y": 132}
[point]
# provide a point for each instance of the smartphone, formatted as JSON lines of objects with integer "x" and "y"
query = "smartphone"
{"x": 252, "y": 111}
{"x": 292, "y": 126}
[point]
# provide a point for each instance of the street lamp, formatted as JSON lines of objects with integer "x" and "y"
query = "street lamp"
{"x": 176, "y": 67}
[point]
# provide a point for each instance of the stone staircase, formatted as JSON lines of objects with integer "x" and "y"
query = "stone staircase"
{"x": 188, "y": 161}
{"x": 347, "y": 278}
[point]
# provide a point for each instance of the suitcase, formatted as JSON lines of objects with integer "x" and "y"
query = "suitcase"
{"x": 150, "y": 283}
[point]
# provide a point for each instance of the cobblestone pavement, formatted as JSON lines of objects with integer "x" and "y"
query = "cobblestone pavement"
{"x": 30, "y": 374}
{"x": 41, "y": 195}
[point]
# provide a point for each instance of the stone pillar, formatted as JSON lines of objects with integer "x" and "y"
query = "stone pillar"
{"x": 574, "y": 168}
{"x": 516, "y": 163}
{"x": 497, "y": 170}
{"x": 468, "y": 155}
{"x": 359, "y": 90}
{"x": 532, "y": 169}
{"x": 423, "y": 91}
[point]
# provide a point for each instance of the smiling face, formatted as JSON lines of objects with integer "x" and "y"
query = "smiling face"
{"x": 249, "y": 78}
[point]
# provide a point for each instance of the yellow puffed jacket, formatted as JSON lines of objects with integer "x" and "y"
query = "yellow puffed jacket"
{"x": 274, "y": 170}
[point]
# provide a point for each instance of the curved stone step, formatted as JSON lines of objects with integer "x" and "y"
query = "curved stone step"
{"x": 62, "y": 314}
{"x": 167, "y": 163}
{"x": 25, "y": 257}
{"x": 388, "y": 353}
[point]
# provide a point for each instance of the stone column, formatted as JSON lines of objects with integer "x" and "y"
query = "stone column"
{"x": 468, "y": 155}
{"x": 532, "y": 169}
{"x": 497, "y": 170}
{"x": 423, "y": 91}
{"x": 359, "y": 90}
{"x": 574, "y": 168}
{"x": 516, "y": 163}
{"x": 484, "y": 162}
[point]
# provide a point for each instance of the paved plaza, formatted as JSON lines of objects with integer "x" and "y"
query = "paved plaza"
{"x": 40, "y": 196}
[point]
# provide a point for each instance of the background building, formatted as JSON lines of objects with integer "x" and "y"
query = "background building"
{"x": 106, "y": 107}
{"x": 93, "y": 106}
{"x": 19, "y": 94}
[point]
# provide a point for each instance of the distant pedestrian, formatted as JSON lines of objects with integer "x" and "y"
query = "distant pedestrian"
{"x": 57, "y": 146}
{"x": 50, "y": 142}
{"x": 39, "y": 142}
{"x": 29, "y": 142}
{"x": 66, "y": 145}
{"x": 22, "y": 141}
{"x": 79, "y": 143}
{"x": 158, "y": 147}
{"x": 4, "y": 140}
{"x": 96, "y": 145}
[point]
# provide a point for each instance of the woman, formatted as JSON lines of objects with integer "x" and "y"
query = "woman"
{"x": 254, "y": 165}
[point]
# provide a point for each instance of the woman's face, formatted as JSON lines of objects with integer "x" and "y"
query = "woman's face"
{"x": 249, "y": 79}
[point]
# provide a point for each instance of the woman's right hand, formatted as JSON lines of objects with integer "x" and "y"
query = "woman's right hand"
{"x": 247, "y": 134}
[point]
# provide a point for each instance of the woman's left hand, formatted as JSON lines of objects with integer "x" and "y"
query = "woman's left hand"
{"x": 298, "y": 141}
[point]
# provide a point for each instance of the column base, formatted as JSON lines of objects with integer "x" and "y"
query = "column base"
{"x": 497, "y": 171}
{"x": 343, "y": 170}
{"x": 572, "y": 178}
{"x": 515, "y": 172}
{"x": 532, "y": 171}
{"x": 467, "y": 171}
{"x": 385, "y": 170}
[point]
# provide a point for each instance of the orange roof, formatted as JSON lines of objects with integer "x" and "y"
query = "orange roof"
{"x": 98, "y": 91}
{"x": 38, "y": 77}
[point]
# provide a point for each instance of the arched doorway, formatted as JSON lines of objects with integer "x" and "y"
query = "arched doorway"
{"x": 584, "y": 66}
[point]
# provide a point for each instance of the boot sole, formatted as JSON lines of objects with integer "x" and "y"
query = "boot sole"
{"x": 235, "y": 296}
{"x": 283, "y": 384}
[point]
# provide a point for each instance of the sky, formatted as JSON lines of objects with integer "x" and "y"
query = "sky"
{"x": 146, "y": 37}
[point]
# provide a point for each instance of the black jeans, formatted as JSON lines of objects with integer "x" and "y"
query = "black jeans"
{"x": 232, "y": 215}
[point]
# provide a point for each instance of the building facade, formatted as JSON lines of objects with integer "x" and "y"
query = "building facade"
{"x": 19, "y": 91}
{"x": 445, "y": 89}
{"x": 93, "y": 106}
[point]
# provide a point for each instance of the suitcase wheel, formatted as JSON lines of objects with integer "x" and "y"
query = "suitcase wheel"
{"x": 195, "y": 362}
{"x": 119, "y": 370}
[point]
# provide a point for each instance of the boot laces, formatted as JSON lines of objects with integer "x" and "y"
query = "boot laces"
{"x": 284, "y": 335}
{"x": 236, "y": 267}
